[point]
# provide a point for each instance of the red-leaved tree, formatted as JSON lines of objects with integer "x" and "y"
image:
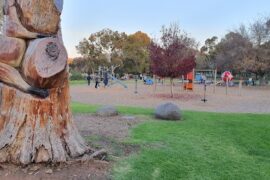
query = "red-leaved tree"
{"x": 174, "y": 56}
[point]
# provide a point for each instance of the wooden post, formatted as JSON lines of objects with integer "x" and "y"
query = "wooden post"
{"x": 215, "y": 80}
{"x": 183, "y": 83}
{"x": 227, "y": 85}
{"x": 240, "y": 87}
{"x": 136, "y": 84}
{"x": 155, "y": 83}
{"x": 171, "y": 83}
{"x": 193, "y": 80}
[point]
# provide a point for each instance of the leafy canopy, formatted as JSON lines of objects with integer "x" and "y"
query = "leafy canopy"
{"x": 174, "y": 55}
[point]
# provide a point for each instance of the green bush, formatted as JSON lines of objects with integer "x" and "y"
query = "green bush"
{"x": 76, "y": 76}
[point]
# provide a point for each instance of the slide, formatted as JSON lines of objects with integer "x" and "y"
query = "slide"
{"x": 117, "y": 81}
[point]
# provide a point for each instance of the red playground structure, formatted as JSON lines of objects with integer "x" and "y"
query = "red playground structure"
{"x": 189, "y": 78}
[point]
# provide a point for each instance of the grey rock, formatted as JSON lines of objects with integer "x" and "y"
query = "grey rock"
{"x": 168, "y": 111}
{"x": 107, "y": 111}
{"x": 49, "y": 171}
{"x": 128, "y": 118}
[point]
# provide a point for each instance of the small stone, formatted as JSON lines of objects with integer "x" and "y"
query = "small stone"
{"x": 107, "y": 111}
{"x": 34, "y": 168}
{"x": 128, "y": 118}
{"x": 49, "y": 171}
{"x": 25, "y": 171}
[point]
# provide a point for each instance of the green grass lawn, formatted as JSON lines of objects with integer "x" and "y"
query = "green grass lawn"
{"x": 85, "y": 108}
{"x": 77, "y": 82}
{"x": 201, "y": 146}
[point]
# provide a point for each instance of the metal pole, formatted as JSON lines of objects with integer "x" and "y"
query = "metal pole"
{"x": 204, "y": 95}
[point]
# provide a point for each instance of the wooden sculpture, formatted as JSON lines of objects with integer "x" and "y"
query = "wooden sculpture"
{"x": 35, "y": 119}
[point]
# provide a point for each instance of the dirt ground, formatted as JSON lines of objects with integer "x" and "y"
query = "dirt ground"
{"x": 249, "y": 100}
{"x": 99, "y": 132}
{"x": 110, "y": 133}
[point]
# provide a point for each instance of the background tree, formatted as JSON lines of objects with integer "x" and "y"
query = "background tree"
{"x": 233, "y": 52}
{"x": 206, "y": 58}
{"x": 136, "y": 54}
{"x": 113, "y": 49}
{"x": 80, "y": 65}
{"x": 103, "y": 48}
{"x": 260, "y": 36}
{"x": 174, "y": 56}
{"x": 245, "y": 49}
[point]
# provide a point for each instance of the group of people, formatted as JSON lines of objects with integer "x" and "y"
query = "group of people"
{"x": 98, "y": 79}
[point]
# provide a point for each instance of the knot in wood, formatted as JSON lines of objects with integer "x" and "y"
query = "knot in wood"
{"x": 52, "y": 51}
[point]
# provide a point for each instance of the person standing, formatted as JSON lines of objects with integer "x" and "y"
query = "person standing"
{"x": 105, "y": 79}
{"x": 88, "y": 79}
{"x": 97, "y": 80}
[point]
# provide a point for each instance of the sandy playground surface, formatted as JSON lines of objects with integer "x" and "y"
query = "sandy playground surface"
{"x": 251, "y": 100}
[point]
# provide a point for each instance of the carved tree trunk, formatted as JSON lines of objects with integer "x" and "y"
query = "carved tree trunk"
{"x": 35, "y": 130}
{"x": 12, "y": 51}
{"x": 35, "y": 118}
{"x": 44, "y": 61}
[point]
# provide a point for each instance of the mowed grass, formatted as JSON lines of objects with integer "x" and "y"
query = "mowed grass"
{"x": 201, "y": 146}
{"x": 86, "y": 108}
{"x": 78, "y": 82}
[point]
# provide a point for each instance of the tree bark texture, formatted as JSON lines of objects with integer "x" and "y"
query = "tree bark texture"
{"x": 39, "y": 15}
{"x": 12, "y": 50}
{"x": 35, "y": 118}
{"x": 35, "y": 130}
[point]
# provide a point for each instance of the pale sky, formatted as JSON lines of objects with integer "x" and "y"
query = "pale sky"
{"x": 201, "y": 19}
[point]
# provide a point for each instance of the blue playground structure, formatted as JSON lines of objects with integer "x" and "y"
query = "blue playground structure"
{"x": 198, "y": 77}
{"x": 148, "y": 81}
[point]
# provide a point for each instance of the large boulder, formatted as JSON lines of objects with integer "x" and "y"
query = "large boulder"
{"x": 107, "y": 111}
{"x": 168, "y": 111}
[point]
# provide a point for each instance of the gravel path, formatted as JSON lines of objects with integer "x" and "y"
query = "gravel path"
{"x": 251, "y": 100}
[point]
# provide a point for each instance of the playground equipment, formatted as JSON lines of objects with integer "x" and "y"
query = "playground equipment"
{"x": 148, "y": 81}
{"x": 188, "y": 81}
{"x": 102, "y": 70}
{"x": 116, "y": 81}
{"x": 227, "y": 76}
{"x": 203, "y": 76}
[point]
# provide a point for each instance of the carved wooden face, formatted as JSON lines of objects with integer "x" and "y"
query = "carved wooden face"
{"x": 52, "y": 50}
